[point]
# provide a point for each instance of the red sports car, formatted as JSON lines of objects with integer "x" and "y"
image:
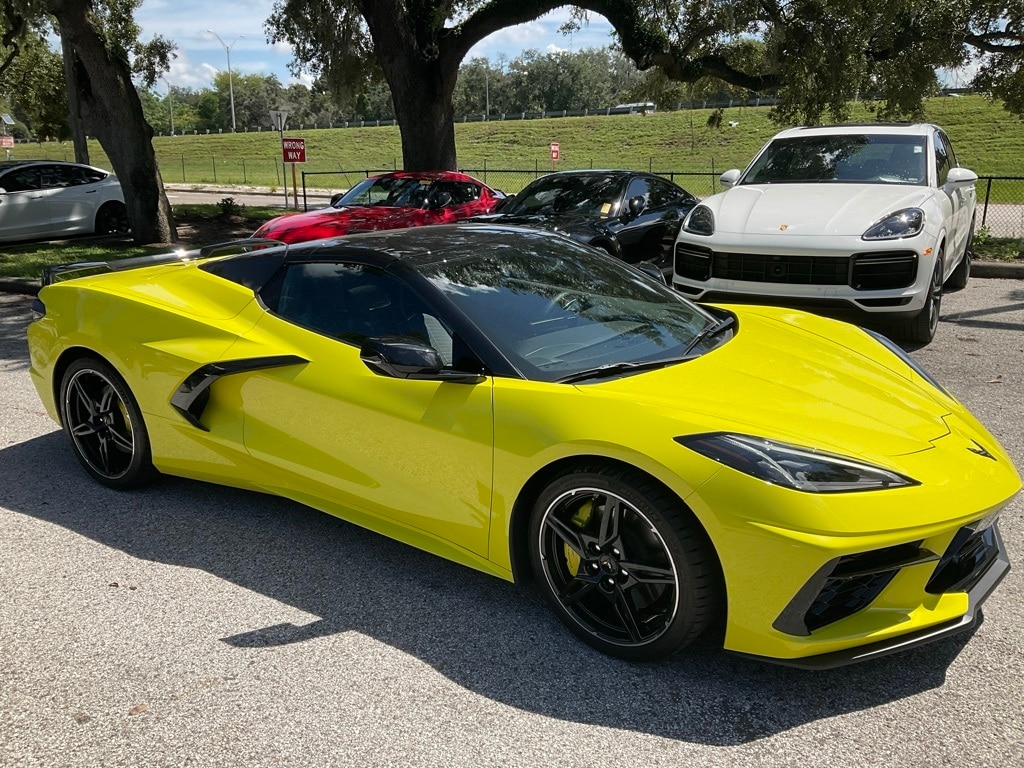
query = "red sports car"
{"x": 391, "y": 201}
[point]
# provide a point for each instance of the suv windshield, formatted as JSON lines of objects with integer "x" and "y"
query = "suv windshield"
{"x": 586, "y": 195}
{"x": 400, "y": 192}
{"x": 855, "y": 158}
{"x": 556, "y": 308}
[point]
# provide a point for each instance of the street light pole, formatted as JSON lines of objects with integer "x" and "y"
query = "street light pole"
{"x": 170, "y": 103}
{"x": 231, "y": 86}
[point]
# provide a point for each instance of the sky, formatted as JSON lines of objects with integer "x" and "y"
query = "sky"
{"x": 240, "y": 25}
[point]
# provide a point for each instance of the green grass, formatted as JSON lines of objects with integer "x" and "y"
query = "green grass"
{"x": 207, "y": 222}
{"x": 988, "y": 140}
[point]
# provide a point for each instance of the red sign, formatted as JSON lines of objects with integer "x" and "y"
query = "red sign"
{"x": 294, "y": 150}
{"x": 554, "y": 151}
{"x": 6, "y": 141}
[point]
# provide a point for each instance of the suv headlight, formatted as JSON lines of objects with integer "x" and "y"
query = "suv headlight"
{"x": 700, "y": 221}
{"x": 802, "y": 469}
{"x": 905, "y": 223}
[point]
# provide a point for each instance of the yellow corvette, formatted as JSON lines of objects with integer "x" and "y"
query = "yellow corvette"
{"x": 526, "y": 406}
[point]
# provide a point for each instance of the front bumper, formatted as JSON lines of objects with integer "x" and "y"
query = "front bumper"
{"x": 839, "y": 275}
{"x": 980, "y": 584}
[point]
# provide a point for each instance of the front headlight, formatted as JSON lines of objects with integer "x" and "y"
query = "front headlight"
{"x": 700, "y": 221}
{"x": 905, "y": 223}
{"x": 802, "y": 469}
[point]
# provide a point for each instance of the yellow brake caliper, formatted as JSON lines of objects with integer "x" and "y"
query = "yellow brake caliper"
{"x": 579, "y": 520}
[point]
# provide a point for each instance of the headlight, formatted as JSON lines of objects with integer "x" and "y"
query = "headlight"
{"x": 905, "y": 223}
{"x": 802, "y": 469}
{"x": 700, "y": 221}
{"x": 893, "y": 347}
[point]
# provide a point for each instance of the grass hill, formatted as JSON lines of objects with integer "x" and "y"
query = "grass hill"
{"x": 987, "y": 139}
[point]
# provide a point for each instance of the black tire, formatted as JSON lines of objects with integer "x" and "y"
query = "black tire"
{"x": 921, "y": 328}
{"x": 104, "y": 424}
{"x": 112, "y": 219}
{"x": 623, "y": 564}
{"x": 959, "y": 277}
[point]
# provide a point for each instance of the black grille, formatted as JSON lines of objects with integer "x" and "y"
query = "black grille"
{"x": 883, "y": 271}
{"x": 841, "y": 597}
{"x": 781, "y": 268}
{"x": 968, "y": 556}
{"x": 693, "y": 261}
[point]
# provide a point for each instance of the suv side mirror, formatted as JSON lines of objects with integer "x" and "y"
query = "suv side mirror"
{"x": 961, "y": 176}
{"x": 730, "y": 177}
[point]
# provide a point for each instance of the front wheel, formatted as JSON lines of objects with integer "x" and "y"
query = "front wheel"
{"x": 921, "y": 328}
{"x": 112, "y": 219}
{"x": 104, "y": 423}
{"x": 623, "y": 564}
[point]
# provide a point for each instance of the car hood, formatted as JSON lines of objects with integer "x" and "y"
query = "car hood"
{"x": 795, "y": 210}
{"x": 783, "y": 378}
{"x": 331, "y": 222}
{"x": 555, "y": 222}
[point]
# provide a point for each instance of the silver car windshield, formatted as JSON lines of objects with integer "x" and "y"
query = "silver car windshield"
{"x": 556, "y": 308}
{"x": 846, "y": 158}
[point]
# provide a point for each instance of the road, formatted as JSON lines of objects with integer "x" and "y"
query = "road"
{"x": 193, "y": 625}
{"x": 180, "y": 194}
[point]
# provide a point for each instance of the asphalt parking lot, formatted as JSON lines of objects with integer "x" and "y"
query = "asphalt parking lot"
{"x": 193, "y": 625}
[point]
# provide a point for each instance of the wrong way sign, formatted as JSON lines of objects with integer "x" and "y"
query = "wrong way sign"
{"x": 294, "y": 150}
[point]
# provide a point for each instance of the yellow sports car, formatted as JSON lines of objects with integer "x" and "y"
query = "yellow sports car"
{"x": 527, "y": 406}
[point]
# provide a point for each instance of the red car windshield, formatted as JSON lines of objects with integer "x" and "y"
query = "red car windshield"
{"x": 396, "y": 192}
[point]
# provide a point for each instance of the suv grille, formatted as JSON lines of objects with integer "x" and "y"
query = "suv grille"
{"x": 882, "y": 271}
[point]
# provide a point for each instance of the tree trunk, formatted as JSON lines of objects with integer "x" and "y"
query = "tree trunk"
{"x": 78, "y": 137}
{"x": 111, "y": 110}
{"x": 423, "y": 107}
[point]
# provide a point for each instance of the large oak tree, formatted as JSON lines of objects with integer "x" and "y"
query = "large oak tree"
{"x": 816, "y": 53}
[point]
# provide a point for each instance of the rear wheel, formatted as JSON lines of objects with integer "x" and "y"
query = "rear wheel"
{"x": 921, "y": 328}
{"x": 958, "y": 279}
{"x": 623, "y": 564}
{"x": 112, "y": 219}
{"x": 105, "y": 426}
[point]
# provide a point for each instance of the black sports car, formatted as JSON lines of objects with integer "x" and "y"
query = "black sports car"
{"x": 632, "y": 215}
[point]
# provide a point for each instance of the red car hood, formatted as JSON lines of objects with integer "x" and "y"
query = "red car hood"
{"x": 333, "y": 222}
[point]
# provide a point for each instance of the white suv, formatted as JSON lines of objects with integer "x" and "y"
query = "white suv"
{"x": 869, "y": 221}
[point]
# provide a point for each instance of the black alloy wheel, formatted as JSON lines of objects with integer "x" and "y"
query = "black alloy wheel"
{"x": 623, "y": 564}
{"x": 112, "y": 219}
{"x": 921, "y": 328}
{"x": 105, "y": 425}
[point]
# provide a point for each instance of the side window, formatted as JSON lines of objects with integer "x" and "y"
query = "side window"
{"x": 20, "y": 180}
{"x": 942, "y": 159}
{"x": 461, "y": 192}
{"x": 949, "y": 149}
{"x": 91, "y": 175}
{"x": 663, "y": 193}
{"x": 353, "y": 302}
{"x": 639, "y": 187}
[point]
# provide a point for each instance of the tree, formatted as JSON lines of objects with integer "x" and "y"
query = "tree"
{"x": 816, "y": 53}
{"x": 33, "y": 84}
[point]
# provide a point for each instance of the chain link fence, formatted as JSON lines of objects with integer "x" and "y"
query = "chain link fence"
{"x": 1000, "y": 198}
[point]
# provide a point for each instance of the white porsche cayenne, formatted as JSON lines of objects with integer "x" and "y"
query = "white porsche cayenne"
{"x": 868, "y": 221}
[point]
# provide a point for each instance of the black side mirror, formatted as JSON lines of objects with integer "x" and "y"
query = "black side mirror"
{"x": 636, "y": 206}
{"x": 404, "y": 357}
{"x": 651, "y": 269}
{"x": 439, "y": 200}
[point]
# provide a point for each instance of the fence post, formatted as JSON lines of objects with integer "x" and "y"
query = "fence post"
{"x": 245, "y": 179}
{"x": 214, "y": 159}
{"x": 277, "y": 173}
{"x": 182, "y": 169}
{"x": 984, "y": 210}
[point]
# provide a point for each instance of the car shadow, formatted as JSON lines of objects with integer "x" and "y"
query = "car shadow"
{"x": 491, "y": 637}
{"x": 13, "y": 341}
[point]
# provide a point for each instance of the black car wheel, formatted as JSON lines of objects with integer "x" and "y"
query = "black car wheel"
{"x": 622, "y": 563}
{"x": 104, "y": 423}
{"x": 111, "y": 219}
{"x": 921, "y": 328}
{"x": 958, "y": 279}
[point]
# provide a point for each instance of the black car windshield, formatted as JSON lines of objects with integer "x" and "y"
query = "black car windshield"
{"x": 396, "y": 191}
{"x": 556, "y": 308}
{"x": 855, "y": 158}
{"x": 593, "y": 195}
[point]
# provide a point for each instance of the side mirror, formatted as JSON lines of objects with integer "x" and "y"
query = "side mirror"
{"x": 404, "y": 357}
{"x": 961, "y": 176}
{"x": 336, "y": 197}
{"x": 439, "y": 200}
{"x": 651, "y": 269}
{"x": 730, "y": 177}
{"x": 636, "y": 206}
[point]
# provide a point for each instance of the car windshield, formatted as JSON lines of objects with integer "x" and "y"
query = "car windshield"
{"x": 556, "y": 308}
{"x": 594, "y": 195}
{"x": 855, "y": 158}
{"x": 395, "y": 191}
